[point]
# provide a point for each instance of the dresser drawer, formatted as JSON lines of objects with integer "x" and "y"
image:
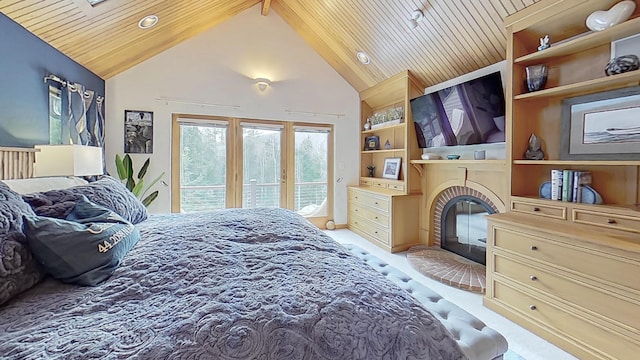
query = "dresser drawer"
{"x": 370, "y": 228}
{"x": 366, "y": 181}
{"x": 613, "y": 221}
{"x": 398, "y": 187}
{"x": 379, "y": 184}
{"x": 369, "y": 199}
{"x": 547, "y": 314}
{"x": 616, "y": 307}
{"x": 379, "y": 218}
{"x": 556, "y": 212}
{"x": 588, "y": 262}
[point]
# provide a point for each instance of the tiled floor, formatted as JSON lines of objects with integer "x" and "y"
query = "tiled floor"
{"x": 448, "y": 268}
{"x": 521, "y": 341}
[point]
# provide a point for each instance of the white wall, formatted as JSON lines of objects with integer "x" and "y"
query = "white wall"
{"x": 217, "y": 68}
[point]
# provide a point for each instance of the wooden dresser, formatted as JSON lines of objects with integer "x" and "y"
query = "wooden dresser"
{"x": 573, "y": 284}
{"x": 385, "y": 217}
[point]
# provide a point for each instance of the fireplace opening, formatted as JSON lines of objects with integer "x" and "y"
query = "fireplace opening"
{"x": 464, "y": 227}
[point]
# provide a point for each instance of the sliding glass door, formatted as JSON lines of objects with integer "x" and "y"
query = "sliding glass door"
{"x": 262, "y": 171}
{"x": 226, "y": 162}
{"x": 203, "y": 165}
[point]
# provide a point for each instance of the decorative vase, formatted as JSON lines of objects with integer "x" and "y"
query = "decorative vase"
{"x": 618, "y": 13}
{"x": 367, "y": 125}
{"x": 622, "y": 64}
{"x": 536, "y": 77}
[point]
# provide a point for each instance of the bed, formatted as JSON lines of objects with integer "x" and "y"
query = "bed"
{"x": 230, "y": 284}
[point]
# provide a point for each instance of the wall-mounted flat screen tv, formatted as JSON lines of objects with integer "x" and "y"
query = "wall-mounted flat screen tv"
{"x": 468, "y": 113}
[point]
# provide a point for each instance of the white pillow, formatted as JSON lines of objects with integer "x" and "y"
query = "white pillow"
{"x": 34, "y": 185}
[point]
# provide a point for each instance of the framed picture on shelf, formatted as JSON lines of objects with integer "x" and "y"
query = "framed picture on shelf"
{"x": 371, "y": 143}
{"x": 138, "y": 132}
{"x": 602, "y": 126}
{"x": 391, "y": 168}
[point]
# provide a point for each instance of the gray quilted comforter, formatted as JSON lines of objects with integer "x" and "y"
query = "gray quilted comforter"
{"x": 234, "y": 284}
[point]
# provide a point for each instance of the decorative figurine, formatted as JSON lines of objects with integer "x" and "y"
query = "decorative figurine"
{"x": 371, "y": 169}
{"x": 367, "y": 124}
{"x": 387, "y": 145}
{"x": 544, "y": 43}
{"x": 622, "y": 64}
{"x": 534, "y": 151}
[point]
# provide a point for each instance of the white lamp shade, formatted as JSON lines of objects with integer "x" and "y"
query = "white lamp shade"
{"x": 68, "y": 160}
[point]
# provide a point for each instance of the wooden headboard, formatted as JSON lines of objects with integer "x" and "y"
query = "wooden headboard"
{"x": 16, "y": 163}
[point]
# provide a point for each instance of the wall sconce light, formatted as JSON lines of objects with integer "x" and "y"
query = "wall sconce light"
{"x": 416, "y": 17}
{"x": 263, "y": 83}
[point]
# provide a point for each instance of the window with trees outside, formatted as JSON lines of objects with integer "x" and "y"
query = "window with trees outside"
{"x": 228, "y": 162}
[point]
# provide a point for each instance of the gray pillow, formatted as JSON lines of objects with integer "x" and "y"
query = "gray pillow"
{"x": 19, "y": 271}
{"x": 86, "y": 247}
{"x": 106, "y": 191}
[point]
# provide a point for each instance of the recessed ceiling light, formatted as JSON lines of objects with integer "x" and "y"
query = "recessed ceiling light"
{"x": 148, "y": 21}
{"x": 363, "y": 57}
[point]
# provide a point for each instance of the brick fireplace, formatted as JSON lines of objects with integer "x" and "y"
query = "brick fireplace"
{"x": 442, "y": 183}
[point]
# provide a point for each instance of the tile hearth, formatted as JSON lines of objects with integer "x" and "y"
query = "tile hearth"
{"x": 448, "y": 268}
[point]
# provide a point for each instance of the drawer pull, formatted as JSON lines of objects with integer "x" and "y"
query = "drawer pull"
{"x": 533, "y": 278}
{"x": 376, "y": 218}
{"x": 376, "y": 203}
{"x": 611, "y": 221}
{"x": 532, "y": 307}
{"x": 534, "y": 248}
{"x": 536, "y": 209}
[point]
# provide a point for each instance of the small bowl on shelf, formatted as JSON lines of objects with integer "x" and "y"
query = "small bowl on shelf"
{"x": 453, "y": 157}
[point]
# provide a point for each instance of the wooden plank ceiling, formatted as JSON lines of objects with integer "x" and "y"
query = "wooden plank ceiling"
{"x": 455, "y": 37}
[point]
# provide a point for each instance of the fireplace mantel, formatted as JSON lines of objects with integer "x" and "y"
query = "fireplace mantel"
{"x": 488, "y": 177}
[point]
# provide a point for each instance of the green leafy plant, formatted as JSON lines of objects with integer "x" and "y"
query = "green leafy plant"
{"x": 138, "y": 186}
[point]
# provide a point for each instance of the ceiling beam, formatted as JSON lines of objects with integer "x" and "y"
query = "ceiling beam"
{"x": 265, "y": 7}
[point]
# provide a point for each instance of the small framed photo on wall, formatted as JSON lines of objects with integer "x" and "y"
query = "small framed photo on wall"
{"x": 138, "y": 132}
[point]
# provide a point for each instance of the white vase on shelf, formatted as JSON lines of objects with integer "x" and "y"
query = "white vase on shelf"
{"x": 620, "y": 12}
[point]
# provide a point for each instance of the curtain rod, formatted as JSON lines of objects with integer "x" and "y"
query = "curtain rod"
{"x": 56, "y": 79}
{"x": 313, "y": 113}
{"x": 64, "y": 83}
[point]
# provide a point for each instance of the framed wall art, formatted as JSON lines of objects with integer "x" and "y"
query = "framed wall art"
{"x": 138, "y": 132}
{"x": 602, "y": 126}
{"x": 372, "y": 143}
{"x": 391, "y": 168}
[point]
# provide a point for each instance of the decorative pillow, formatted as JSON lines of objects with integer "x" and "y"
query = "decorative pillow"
{"x": 86, "y": 247}
{"x": 106, "y": 191}
{"x": 19, "y": 271}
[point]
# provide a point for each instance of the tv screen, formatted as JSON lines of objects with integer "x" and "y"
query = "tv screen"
{"x": 468, "y": 113}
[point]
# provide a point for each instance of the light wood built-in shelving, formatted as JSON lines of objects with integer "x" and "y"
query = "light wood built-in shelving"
{"x": 566, "y": 271}
{"x": 589, "y": 85}
{"x": 390, "y": 127}
{"x": 579, "y": 162}
{"x": 380, "y": 151}
{"x": 459, "y": 162}
{"x": 582, "y": 42}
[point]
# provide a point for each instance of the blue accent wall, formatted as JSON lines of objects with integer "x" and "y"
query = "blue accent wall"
{"x": 24, "y": 97}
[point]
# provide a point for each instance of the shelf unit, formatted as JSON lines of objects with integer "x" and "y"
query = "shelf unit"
{"x": 387, "y": 211}
{"x": 534, "y": 249}
{"x": 576, "y": 67}
{"x": 396, "y": 91}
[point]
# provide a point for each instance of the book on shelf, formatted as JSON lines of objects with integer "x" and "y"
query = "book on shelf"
{"x": 580, "y": 179}
{"x": 556, "y": 184}
{"x": 567, "y": 185}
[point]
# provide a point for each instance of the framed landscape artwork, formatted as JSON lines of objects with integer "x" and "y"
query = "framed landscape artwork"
{"x": 602, "y": 126}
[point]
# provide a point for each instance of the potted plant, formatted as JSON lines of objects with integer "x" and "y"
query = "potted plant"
{"x": 138, "y": 186}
